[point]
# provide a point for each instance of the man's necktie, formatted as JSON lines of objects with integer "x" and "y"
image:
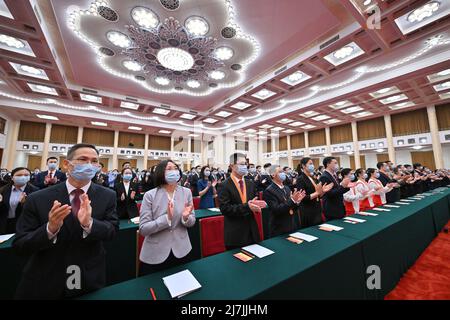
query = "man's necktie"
{"x": 76, "y": 200}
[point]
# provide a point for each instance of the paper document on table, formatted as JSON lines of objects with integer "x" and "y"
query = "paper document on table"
{"x": 181, "y": 283}
{"x": 135, "y": 220}
{"x": 214, "y": 209}
{"x": 404, "y": 203}
{"x": 405, "y": 200}
{"x": 380, "y": 209}
{"x": 367, "y": 214}
{"x": 6, "y": 237}
{"x": 355, "y": 219}
{"x": 330, "y": 226}
{"x": 303, "y": 236}
{"x": 391, "y": 206}
{"x": 258, "y": 250}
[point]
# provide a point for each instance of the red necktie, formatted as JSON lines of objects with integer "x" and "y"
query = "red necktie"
{"x": 241, "y": 185}
{"x": 76, "y": 200}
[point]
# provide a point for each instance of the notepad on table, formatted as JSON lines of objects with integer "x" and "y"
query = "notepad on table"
{"x": 380, "y": 209}
{"x": 405, "y": 200}
{"x": 242, "y": 256}
{"x": 354, "y": 219}
{"x": 391, "y": 206}
{"x": 6, "y": 237}
{"x": 404, "y": 203}
{"x": 258, "y": 251}
{"x": 417, "y": 198}
{"x": 135, "y": 220}
{"x": 214, "y": 209}
{"x": 181, "y": 284}
{"x": 331, "y": 227}
{"x": 367, "y": 214}
{"x": 303, "y": 236}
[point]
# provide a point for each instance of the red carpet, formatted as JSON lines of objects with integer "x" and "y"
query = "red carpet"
{"x": 429, "y": 277}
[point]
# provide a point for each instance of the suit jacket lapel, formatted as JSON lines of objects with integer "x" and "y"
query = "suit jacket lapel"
{"x": 234, "y": 190}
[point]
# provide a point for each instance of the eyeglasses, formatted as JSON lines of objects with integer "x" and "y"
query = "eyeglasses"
{"x": 94, "y": 162}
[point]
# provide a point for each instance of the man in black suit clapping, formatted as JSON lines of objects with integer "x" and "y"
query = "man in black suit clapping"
{"x": 62, "y": 228}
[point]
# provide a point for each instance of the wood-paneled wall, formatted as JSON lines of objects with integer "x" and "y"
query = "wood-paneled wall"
{"x": 283, "y": 144}
{"x": 196, "y": 146}
{"x": 159, "y": 143}
{"x": 98, "y": 137}
{"x": 371, "y": 129}
{"x": 131, "y": 140}
{"x": 31, "y": 131}
{"x": 362, "y": 160}
{"x": 425, "y": 158}
{"x": 317, "y": 138}
{"x": 443, "y": 116}
{"x": 63, "y": 134}
{"x": 382, "y": 157}
{"x": 341, "y": 134}
{"x": 411, "y": 122}
{"x": 2, "y": 125}
{"x": 133, "y": 163}
{"x": 298, "y": 141}
{"x": 34, "y": 162}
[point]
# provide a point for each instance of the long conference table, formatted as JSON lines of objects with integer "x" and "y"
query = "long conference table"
{"x": 332, "y": 267}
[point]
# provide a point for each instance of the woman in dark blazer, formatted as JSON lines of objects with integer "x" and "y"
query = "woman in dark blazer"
{"x": 310, "y": 207}
{"x": 12, "y": 197}
{"x": 127, "y": 195}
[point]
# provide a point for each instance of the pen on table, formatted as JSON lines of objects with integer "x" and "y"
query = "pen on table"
{"x": 153, "y": 293}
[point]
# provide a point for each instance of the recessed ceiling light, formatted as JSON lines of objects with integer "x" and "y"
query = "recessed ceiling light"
{"x": 309, "y": 126}
{"x": 193, "y": 84}
{"x": 344, "y": 54}
{"x": 321, "y": 117}
{"x": 285, "y": 121}
{"x": 98, "y": 123}
{"x": 277, "y": 129}
{"x": 351, "y": 109}
{"x": 332, "y": 121}
{"x": 265, "y": 126}
{"x": 197, "y": 26}
{"x": 217, "y": 75}
{"x": 223, "y": 114}
{"x": 175, "y": 59}
{"x": 340, "y": 104}
{"x": 442, "y": 86}
{"x": 240, "y": 105}
{"x": 445, "y": 95}
{"x": 15, "y": 45}
{"x": 118, "y": 39}
{"x": 90, "y": 98}
{"x": 309, "y": 114}
{"x": 362, "y": 114}
{"x": 250, "y": 130}
{"x": 392, "y": 99}
{"x": 423, "y": 15}
{"x": 296, "y": 124}
{"x": 42, "y": 89}
{"x": 134, "y": 128}
{"x": 47, "y": 117}
{"x": 145, "y": 17}
{"x": 384, "y": 92}
{"x": 188, "y": 116}
{"x": 289, "y": 131}
{"x": 4, "y": 11}
{"x": 402, "y": 105}
{"x": 367, "y": 2}
{"x": 162, "y": 81}
{"x": 296, "y": 78}
{"x": 224, "y": 53}
{"x": 263, "y": 94}
{"x": 210, "y": 120}
{"x": 445, "y": 72}
{"x": 161, "y": 111}
{"x": 132, "y": 65}
{"x": 129, "y": 105}
{"x": 29, "y": 70}
{"x": 165, "y": 131}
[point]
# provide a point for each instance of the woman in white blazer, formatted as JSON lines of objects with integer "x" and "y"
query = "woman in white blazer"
{"x": 166, "y": 213}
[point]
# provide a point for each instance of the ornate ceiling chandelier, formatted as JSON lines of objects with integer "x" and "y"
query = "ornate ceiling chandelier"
{"x": 150, "y": 46}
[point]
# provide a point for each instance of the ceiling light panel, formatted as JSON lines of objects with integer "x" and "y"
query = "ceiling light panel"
{"x": 344, "y": 54}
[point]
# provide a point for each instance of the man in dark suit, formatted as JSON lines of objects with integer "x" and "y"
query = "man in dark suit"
{"x": 264, "y": 180}
{"x": 193, "y": 180}
{"x": 333, "y": 200}
{"x": 238, "y": 202}
{"x": 50, "y": 177}
{"x": 385, "y": 170}
{"x": 62, "y": 228}
{"x": 251, "y": 172}
{"x": 101, "y": 178}
{"x": 282, "y": 203}
{"x": 12, "y": 198}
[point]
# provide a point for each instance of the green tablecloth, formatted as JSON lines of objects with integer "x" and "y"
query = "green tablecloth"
{"x": 334, "y": 266}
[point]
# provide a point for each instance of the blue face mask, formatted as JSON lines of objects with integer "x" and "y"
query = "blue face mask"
{"x": 377, "y": 175}
{"x": 282, "y": 176}
{"x": 352, "y": 177}
{"x": 311, "y": 168}
{"x": 207, "y": 173}
{"x": 52, "y": 166}
{"x": 21, "y": 180}
{"x": 365, "y": 175}
{"x": 127, "y": 177}
{"x": 242, "y": 169}
{"x": 84, "y": 172}
{"x": 172, "y": 176}
{"x": 252, "y": 170}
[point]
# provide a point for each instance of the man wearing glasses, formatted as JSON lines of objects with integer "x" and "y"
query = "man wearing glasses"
{"x": 62, "y": 228}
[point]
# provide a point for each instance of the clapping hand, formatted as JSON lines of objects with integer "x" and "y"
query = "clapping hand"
{"x": 56, "y": 216}
{"x": 298, "y": 196}
{"x": 122, "y": 197}
{"x": 85, "y": 213}
{"x": 133, "y": 194}
{"x": 188, "y": 208}
{"x": 256, "y": 205}
{"x": 214, "y": 183}
{"x": 170, "y": 210}
{"x": 327, "y": 187}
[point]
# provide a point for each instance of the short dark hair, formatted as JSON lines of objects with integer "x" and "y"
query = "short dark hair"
{"x": 380, "y": 164}
{"x": 77, "y": 146}
{"x": 160, "y": 173}
{"x": 267, "y": 165}
{"x": 258, "y": 166}
{"x": 52, "y": 158}
{"x": 327, "y": 160}
{"x": 416, "y": 165}
{"x": 369, "y": 172}
{"x": 13, "y": 172}
{"x": 126, "y": 162}
{"x": 235, "y": 156}
{"x": 358, "y": 172}
{"x": 302, "y": 162}
{"x": 123, "y": 170}
{"x": 345, "y": 172}
{"x": 284, "y": 168}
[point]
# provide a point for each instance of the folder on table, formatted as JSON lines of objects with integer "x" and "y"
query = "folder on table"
{"x": 303, "y": 236}
{"x": 257, "y": 250}
{"x": 181, "y": 284}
